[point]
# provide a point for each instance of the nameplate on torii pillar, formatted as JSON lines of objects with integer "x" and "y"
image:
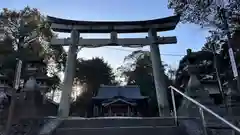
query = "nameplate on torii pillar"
{"x": 124, "y": 42}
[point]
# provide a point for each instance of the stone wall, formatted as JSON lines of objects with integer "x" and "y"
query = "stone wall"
{"x": 22, "y": 123}
{"x": 25, "y": 109}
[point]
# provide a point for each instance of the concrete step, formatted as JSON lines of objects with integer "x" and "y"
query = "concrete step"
{"x": 214, "y": 122}
{"x": 221, "y": 131}
{"x": 194, "y": 112}
{"x": 121, "y": 131}
{"x": 116, "y": 122}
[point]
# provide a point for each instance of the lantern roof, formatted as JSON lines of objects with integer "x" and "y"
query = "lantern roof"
{"x": 35, "y": 59}
{"x": 3, "y": 77}
{"x": 41, "y": 76}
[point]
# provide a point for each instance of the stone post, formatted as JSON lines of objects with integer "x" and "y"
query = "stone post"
{"x": 64, "y": 106}
{"x": 158, "y": 73}
{"x": 233, "y": 102}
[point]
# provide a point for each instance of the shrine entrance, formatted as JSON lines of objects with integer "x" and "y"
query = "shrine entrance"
{"x": 114, "y": 28}
{"x": 119, "y": 110}
{"x": 119, "y": 107}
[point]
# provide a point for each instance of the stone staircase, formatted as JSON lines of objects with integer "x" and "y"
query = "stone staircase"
{"x": 118, "y": 126}
{"x": 131, "y": 126}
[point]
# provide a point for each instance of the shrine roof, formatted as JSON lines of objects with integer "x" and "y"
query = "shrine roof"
{"x": 160, "y": 24}
{"x": 129, "y": 92}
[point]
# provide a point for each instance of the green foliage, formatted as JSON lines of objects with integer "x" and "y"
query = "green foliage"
{"x": 94, "y": 71}
{"x": 137, "y": 70}
{"x": 59, "y": 56}
{"x": 212, "y": 46}
{"x": 204, "y": 12}
{"x": 27, "y": 35}
{"x": 54, "y": 82}
{"x": 91, "y": 74}
{"x": 207, "y": 14}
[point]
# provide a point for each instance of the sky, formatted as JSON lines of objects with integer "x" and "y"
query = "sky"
{"x": 188, "y": 35}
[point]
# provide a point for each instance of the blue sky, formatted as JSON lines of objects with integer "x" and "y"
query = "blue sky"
{"x": 188, "y": 35}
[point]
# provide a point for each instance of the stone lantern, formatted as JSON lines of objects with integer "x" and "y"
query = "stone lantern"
{"x": 195, "y": 90}
{"x": 37, "y": 68}
{"x": 38, "y": 80}
{"x": 27, "y": 108}
{"x": 35, "y": 65}
{"x": 30, "y": 88}
{"x": 193, "y": 83}
{"x": 34, "y": 89}
{"x": 42, "y": 81}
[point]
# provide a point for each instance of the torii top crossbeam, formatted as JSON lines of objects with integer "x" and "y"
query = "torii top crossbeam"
{"x": 65, "y": 25}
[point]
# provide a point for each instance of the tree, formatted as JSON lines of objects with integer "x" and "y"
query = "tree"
{"x": 137, "y": 70}
{"x": 91, "y": 73}
{"x": 94, "y": 72}
{"x": 27, "y": 35}
{"x": 207, "y": 13}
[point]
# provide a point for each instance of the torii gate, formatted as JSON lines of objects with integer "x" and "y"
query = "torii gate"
{"x": 114, "y": 27}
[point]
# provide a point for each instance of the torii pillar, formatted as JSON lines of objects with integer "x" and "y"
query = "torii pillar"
{"x": 158, "y": 72}
{"x": 64, "y": 106}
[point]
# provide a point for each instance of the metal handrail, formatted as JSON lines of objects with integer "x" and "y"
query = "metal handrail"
{"x": 201, "y": 108}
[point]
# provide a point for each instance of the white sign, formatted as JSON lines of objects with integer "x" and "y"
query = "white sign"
{"x": 2, "y": 36}
{"x": 18, "y": 74}
{"x": 233, "y": 63}
{"x": 2, "y": 96}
